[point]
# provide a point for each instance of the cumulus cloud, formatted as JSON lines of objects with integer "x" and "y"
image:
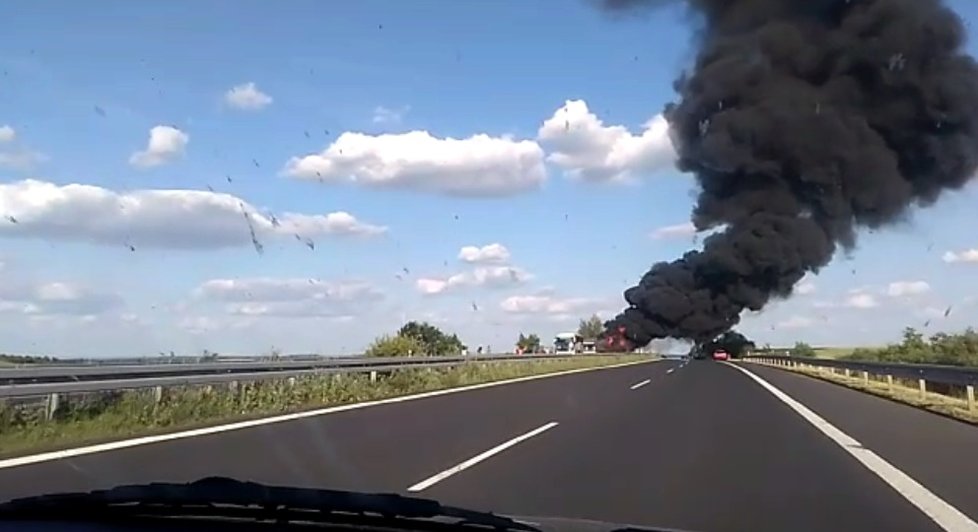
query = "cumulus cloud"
{"x": 158, "y": 218}
{"x": 968, "y": 255}
{"x": 386, "y": 115}
{"x": 545, "y": 304}
{"x": 203, "y": 324}
{"x": 290, "y": 297}
{"x": 14, "y": 156}
{"x": 476, "y": 166}
{"x": 674, "y": 231}
{"x": 247, "y": 97}
{"x": 907, "y": 288}
{"x": 55, "y": 298}
{"x": 861, "y": 300}
{"x": 166, "y": 143}
{"x": 805, "y": 288}
{"x": 585, "y": 148}
{"x": 21, "y": 159}
{"x": 796, "y": 322}
{"x": 930, "y": 312}
{"x": 495, "y": 252}
{"x": 493, "y": 277}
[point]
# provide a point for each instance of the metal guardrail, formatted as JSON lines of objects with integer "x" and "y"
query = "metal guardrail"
{"x": 47, "y": 374}
{"x": 948, "y": 375}
{"x": 42, "y": 381}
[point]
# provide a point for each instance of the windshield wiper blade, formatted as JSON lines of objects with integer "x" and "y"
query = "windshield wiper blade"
{"x": 215, "y": 492}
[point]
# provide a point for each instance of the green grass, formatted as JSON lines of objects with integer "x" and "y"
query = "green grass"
{"x": 105, "y": 417}
{"x": 954, "y": 406}
{"x": 833, "y": 352}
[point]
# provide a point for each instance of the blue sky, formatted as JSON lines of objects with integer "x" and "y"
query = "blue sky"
{"x": 134, "y": 138}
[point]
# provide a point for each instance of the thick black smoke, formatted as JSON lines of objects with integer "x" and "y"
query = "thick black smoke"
{"x": 801, "y": 121}
{"x": 734, "y": 343}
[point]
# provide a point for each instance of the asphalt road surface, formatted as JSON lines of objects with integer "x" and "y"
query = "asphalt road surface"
{"x": 700, "y": 446}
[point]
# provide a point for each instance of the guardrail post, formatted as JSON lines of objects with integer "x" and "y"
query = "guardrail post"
{"x": 373, "y": 376}
{"x": 922, "y": 385}
{"x": 971, "y": 399}
{"x": 53, "y": 401}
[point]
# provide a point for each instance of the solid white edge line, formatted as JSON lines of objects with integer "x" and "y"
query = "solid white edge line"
{"x": 946, "y": 516}
{"x": 432, "y": 480}
{"x": 638, "y": 385}
{"x": 133, "y": 442}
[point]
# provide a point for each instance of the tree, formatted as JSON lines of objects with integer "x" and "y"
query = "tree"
{"x": 529, "y": 343}
{"x": 801, "y": 349}
{"x": 431, "y": 338}
{"x": 591, "y": 328}
{"x": 394, "y": 346}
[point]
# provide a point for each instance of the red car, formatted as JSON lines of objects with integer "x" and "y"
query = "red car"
{"x": 720, "y": 354}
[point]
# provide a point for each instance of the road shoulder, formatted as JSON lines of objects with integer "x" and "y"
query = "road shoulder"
{"x": 936, "y": 451}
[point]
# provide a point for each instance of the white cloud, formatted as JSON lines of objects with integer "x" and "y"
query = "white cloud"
{"x": 492, "y": 276}
{"x": 157, "y": 218}
{"x": 805, "y": 288}
{"x": 200, "y": 324}
{"x": 166, "y": 143}
{"x": 21, "y": 159}
{"x": 930, "y": 312}
{"x": 55, "y": 298}
{"x": 290, "y": 297}
{"x": 796, "y": 322}
{"x": 247, "y": 97}
{"x": 285, "y": 289}
{"x": 476, "y": 166}
{"x": 674, "y": 231}
{"x": 861, "y": 300}
{"x": 968, "y": 255}
{"x": 17, "y": 157}
{"x": 495, "y": 252}
{"x": 7, "y": 133}
{"x": 907, "y": 288}
{"x": 545, "y": 304}
{"x": 386, "y": 115}
{"x": 585, "y": 148}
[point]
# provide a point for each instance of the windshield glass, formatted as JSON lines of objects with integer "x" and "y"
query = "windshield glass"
{"x": 322, "y": 245}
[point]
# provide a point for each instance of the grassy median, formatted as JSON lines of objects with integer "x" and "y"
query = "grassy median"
{"x": 102, "y": 417}
{"x": 954, "y": 406}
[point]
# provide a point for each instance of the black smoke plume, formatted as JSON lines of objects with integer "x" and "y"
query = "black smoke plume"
{"x": 734, "y": 343}
{"x": 803, "y": 120}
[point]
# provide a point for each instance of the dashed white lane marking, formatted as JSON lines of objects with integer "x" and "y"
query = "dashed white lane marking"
{"x": 946, "y": 516}
{"x": 145, "y": 440}
{"x": 670, "y": 370}
{"x": 638, "y": 385}
{"x": 430, "y": 481}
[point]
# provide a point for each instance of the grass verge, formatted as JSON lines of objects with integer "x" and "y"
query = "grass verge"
{"x": 903, "y": 392}
{"x": 833, "y": 352}
{"x": 95, "y": 418}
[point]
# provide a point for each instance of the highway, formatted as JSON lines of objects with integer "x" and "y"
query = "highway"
{"x": 700, "y": 446}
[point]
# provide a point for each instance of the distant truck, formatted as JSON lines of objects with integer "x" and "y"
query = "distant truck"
{"x": 568, "y": 343}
